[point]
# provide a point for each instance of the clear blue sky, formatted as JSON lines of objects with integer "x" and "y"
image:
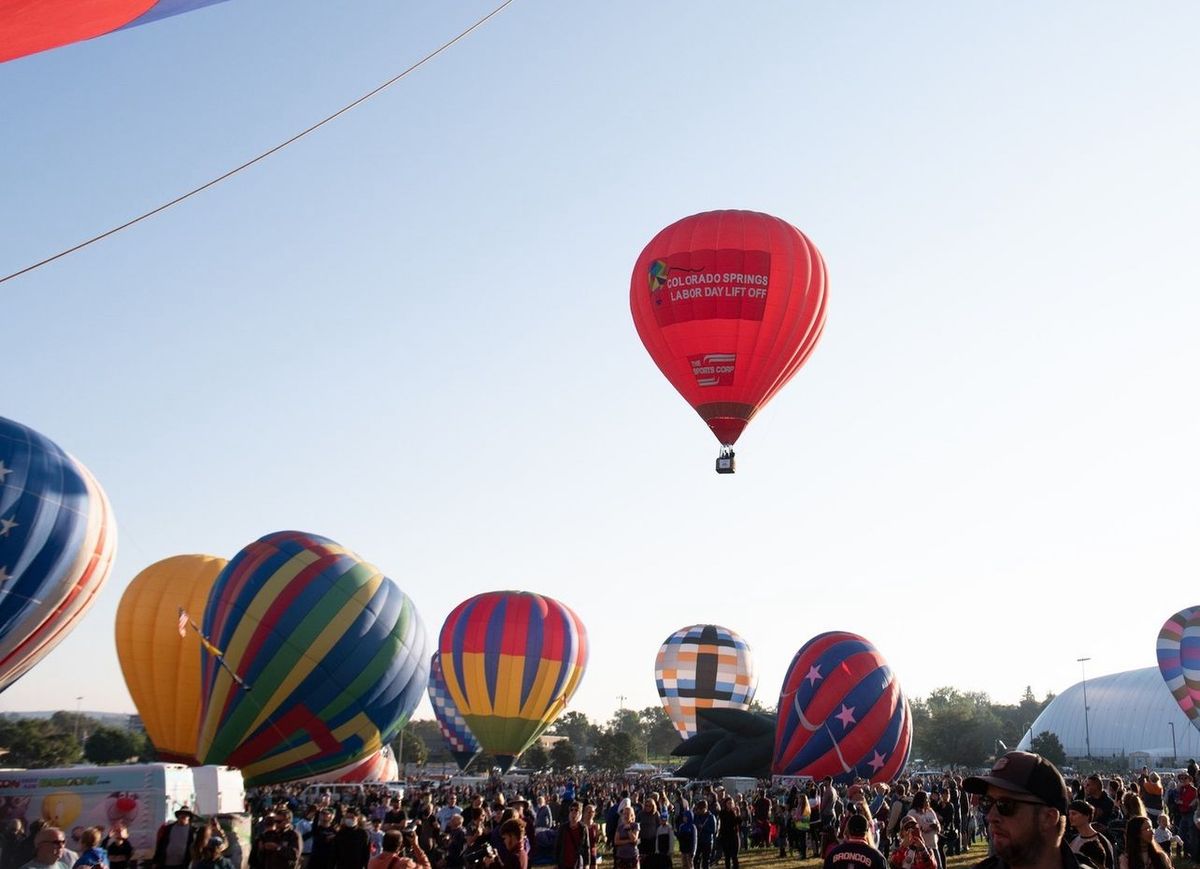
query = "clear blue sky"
{"x": 410, "y": 332}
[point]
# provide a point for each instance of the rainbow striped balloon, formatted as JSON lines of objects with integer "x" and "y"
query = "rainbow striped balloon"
{"x": 315, "y": 660}
{"x": 57, "y": 545}
{"x": 512, "y": 660}
{"x": 1179, "y": 660}
{"x": 841, "y": 713}
{"x": 463, "y": 744}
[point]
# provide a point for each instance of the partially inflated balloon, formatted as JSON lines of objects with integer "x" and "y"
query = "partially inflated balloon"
{"x": 841, "y": 713}
{"x": 161, "y": 663}
{"x": 462, "y": 743}
{"x": 57, "y": 544}
{"x": 703, "y": 667}
{"x": 729, "y": 305}
{"x": 381, "y": 766}
{"x": 1179, "y": 660}
{"x": 329, "y": 654}
{"x": 511, "y": 660}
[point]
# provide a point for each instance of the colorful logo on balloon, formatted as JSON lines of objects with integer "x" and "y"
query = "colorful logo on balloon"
{"x": 658, "y": 274}
{"x": 1179, "y": 660}
{"x": 841, "y": 713}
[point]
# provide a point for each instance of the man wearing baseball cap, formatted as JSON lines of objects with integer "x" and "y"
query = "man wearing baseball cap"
{"x": 1025, "y": 800}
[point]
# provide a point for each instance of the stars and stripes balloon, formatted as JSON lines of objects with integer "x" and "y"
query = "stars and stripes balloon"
{"x": 729, "y": 305}
{"x": 1178, "y": 651}
{"x": 462, "y": 743}
{"x": 511, "y": 660}
{"x": 57, "y": 544}
{"x": 30, "y": 26}
{"x": 703, "y": 667}
{"x": 841, "y": 713}
{"x": 313, "y": 660}
{"x": 160, "y": 657}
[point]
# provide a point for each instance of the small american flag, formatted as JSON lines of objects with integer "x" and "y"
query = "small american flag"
{"x": 183, "y": 622}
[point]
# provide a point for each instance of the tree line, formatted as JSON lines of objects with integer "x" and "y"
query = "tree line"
{"x": 68, "y": 738}
{"x": 950, "y": 727}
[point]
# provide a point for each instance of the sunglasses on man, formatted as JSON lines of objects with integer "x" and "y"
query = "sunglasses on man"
{"x": 1006, "y": 806}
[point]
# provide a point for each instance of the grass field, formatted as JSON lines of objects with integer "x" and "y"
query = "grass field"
{"x": 768, "y": 858}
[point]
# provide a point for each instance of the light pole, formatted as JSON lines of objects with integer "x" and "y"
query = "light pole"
{"x": 78, "y": 706}
{"x": 1087, "y": 730}
{"x": 1174, "y": 752}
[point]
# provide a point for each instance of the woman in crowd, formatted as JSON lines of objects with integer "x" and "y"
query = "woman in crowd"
{"x": 911, "y": 852}
{"x": 1141, "y": 851}
{"x": 801, "y": 823}
{"x": 927, "y": 820}
{"x": 625, "y": 842}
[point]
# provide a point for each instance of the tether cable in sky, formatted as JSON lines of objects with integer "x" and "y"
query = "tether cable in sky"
{"x": 266, "y": 153}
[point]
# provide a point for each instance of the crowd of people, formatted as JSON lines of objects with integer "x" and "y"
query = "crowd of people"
{"x": 1027, "y": 813}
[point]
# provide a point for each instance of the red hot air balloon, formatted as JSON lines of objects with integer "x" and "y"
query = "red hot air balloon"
{"x": 729, "y": 305}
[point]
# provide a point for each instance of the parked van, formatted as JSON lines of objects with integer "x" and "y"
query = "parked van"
{"x": 219, "y": 790}
{"x": 144, "y": 796}
{"x": 337, "y": 793}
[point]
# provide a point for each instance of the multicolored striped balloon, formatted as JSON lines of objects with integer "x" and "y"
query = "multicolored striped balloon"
{"x": 511, "y": 660}
{"x": 462, "y": 743}
{"x": 841, "y": 713}
{"x": 703, "y": 667}
{"x": 1179, "y": 660}
{"x": 57, "y": 545}
{"x": 316, "y": 660}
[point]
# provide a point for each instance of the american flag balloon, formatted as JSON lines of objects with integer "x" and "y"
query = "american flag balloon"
{"x": 841, "y": 713}
{"x": 57, "y": 544}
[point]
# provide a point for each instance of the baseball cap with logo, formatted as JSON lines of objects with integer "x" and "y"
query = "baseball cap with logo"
{"x": 1024, "y": 773}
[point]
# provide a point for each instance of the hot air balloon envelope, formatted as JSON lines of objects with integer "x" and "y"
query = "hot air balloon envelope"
{"x": 161, "y": 661}
{"x": 57, "y": 544}
{"x": 841, "y": 713}
{"x": 511, "y": 661}
{"x": 1179, "y": 660}
{"x": 703, "y": 667}
{"x": 729, "y": 304}
{"x": 462, "y": 743}
{"x": 317, "y": 660}
{"x": 30, "y": 26}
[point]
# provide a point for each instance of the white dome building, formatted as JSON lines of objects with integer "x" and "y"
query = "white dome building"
{"x": 1129, "y": 714}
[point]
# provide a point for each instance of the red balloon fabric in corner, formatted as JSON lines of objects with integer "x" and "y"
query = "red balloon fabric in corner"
{"x": 30, "y": 26}
{"x": 729, "y": 305}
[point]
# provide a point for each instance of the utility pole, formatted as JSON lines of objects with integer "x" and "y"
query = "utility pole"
{"x": 1087, "y": 730}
